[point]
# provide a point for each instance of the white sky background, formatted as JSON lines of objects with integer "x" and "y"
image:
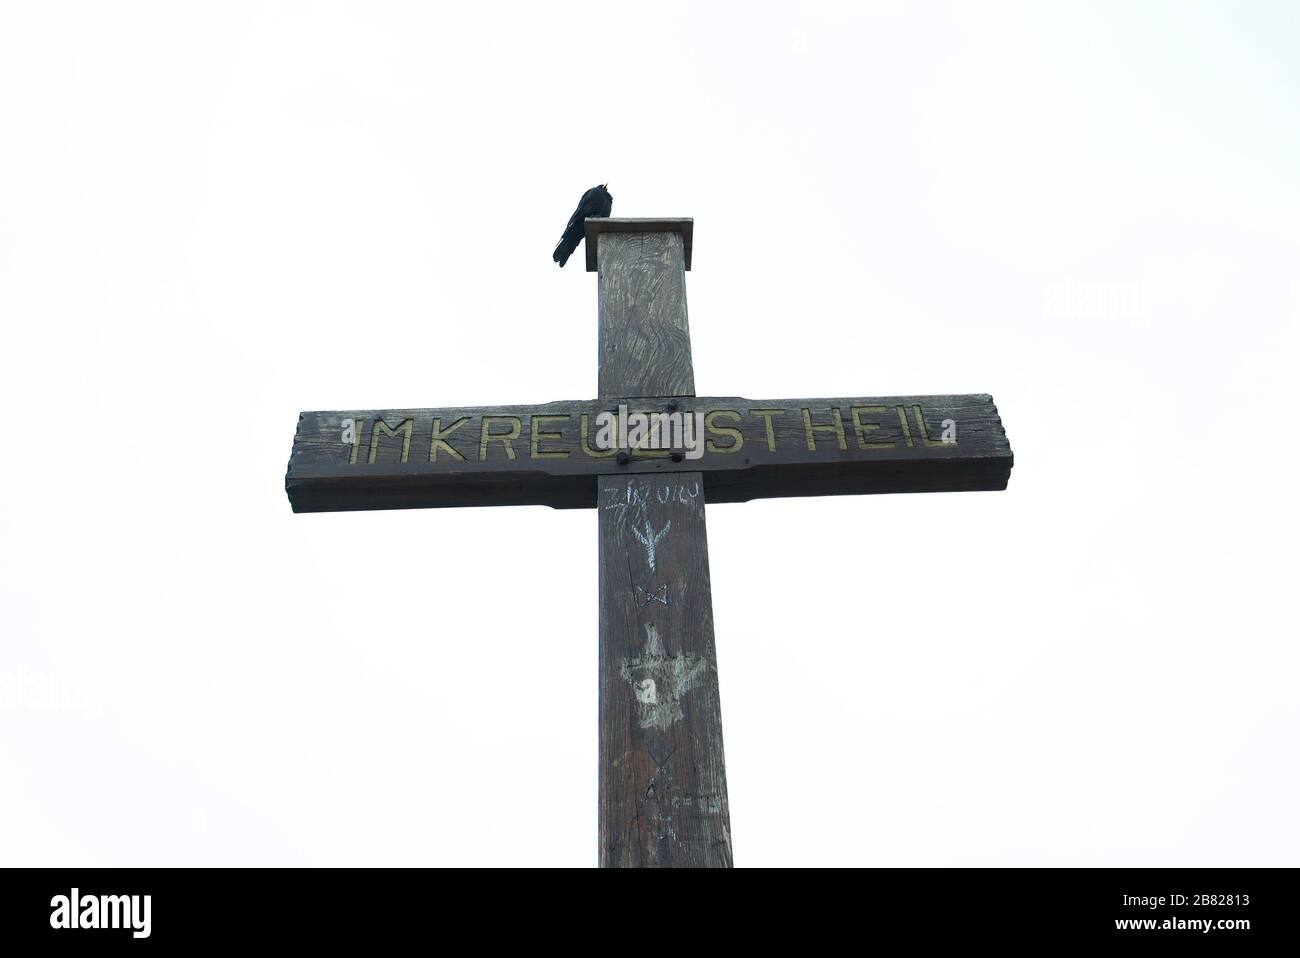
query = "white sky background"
{"x": 214, "y": 216}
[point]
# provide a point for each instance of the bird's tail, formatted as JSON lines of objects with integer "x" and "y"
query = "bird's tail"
{"x": 562, "y": 252}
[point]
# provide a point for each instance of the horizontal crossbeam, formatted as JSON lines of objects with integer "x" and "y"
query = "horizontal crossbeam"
{"x": 552, "y": 454}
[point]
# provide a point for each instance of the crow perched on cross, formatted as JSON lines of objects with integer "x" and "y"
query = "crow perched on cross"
{"x": 595, "y": 202}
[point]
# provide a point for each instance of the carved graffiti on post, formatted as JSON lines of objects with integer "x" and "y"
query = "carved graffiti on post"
{"x": 664, "y": 799}
{"x": 651, "y": 539}
{"x": 660, "y": 681}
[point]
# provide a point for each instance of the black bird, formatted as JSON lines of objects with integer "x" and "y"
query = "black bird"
{"x": 595, "y": 202}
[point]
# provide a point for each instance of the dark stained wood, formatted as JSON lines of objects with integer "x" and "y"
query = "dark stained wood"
{"x": 596, "y": 225}
{"x": 645, "y": 340}
{"x": 663, "y": 780}
{"x": 663, "y": 786}
{"x": 883, "y": 452}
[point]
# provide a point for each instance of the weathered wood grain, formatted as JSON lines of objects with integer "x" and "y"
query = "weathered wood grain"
{"x": 751, "y": 449}
{"x": 645, "y": 340}
{"x": 596, "y": 225}
{"x": 663, "y": 782}
{"x": 663, "y": 788}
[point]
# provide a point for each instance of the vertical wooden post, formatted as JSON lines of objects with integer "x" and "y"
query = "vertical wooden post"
{"x": 663, "y": 787}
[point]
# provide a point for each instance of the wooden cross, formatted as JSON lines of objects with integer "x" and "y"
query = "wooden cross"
{"x": 663, "y": 787}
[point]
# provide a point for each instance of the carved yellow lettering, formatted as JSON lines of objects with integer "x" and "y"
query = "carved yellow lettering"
{"x": 907, "y": 430}
{"x": 537, "y": 435}
{"x": 403, "y": 429}
{"x": 861, "y": 428}
{"x": 584, "y": 426}
{"x": 438, "y": 439}
{"x": 920, "y": 427}
{"x": 486, "y": 435}
{"x": 737, "y": 437}
{"x": 768, "y": 415}
{"x": 836, "y": 426}
{"x": 356, "y": 441}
